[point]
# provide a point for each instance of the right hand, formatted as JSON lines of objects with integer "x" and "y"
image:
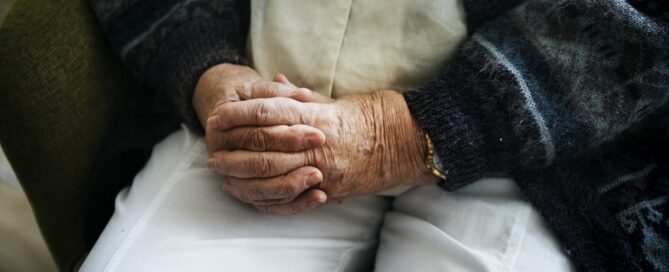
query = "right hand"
{"x": 225, "y": 83}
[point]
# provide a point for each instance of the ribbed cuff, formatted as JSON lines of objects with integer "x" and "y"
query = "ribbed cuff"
{"x": 462, "y": 115}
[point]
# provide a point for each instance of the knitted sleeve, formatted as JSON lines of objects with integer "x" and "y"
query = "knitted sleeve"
{"x": 168, "y": 44}
{"x": 546, "y": 81}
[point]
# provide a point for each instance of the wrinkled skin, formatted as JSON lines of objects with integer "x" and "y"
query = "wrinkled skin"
{"x": 287, "y": 150}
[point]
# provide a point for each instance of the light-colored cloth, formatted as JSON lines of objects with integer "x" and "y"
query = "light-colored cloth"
{"x": 350, "y": 47}
{"x": 175, "y": 217}
{"x": 6, "y": 172}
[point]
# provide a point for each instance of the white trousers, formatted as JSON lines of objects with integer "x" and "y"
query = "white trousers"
{"x": 175, "y": 217}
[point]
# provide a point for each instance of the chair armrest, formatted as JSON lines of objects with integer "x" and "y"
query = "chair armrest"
{"x": 60, "y": 88}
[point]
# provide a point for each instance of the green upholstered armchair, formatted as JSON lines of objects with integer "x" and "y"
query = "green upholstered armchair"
{"x": 60, "y": 88}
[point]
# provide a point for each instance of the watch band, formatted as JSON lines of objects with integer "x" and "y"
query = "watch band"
{"x": 432, "y": 161}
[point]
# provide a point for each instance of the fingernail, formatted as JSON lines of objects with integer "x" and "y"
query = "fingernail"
{"x": 312, "y": 140}
{"x": 313, "y": 179}
{"x": 318, "y": 201}
{"x": 212, "y": 164}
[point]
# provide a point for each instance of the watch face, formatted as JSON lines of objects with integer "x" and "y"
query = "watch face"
{"x": 437, "y": 163}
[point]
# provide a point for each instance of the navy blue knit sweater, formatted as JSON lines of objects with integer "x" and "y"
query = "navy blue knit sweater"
{"x": 571, "y": 97}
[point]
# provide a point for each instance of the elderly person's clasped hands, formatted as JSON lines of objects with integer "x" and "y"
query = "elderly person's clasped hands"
{"x": 287, "y": 150}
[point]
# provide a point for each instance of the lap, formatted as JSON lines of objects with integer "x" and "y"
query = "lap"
{"x": 175, "y": 217}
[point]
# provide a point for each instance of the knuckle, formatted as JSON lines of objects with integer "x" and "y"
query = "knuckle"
{"x": 221, "y": 108}
{"x": 262, "y": 112}
{"x": 258, "y": 139}
{"x": 292, "y": 138}
{"x": 262, "y": 165}
{"x": 272, "y": 90}
{"x": 293, "y": 106}
{"x": 231, "y": 94}
{"x": 296, "y": 94}
{"x": 217, "y": 107}
{"x": 278, "y": 138}
{"x": 213, "y": 123}
{"x": 223, "y": 113}
{"x": 273, "y": 139}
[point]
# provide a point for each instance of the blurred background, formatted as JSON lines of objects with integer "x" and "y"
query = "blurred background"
{"x": 21, "y": 245}
{"x": 4, "y": 6}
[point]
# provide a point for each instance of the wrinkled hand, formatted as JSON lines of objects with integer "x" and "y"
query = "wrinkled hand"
{"x": 373, "y": 144}
{"x": 225, "y": 83}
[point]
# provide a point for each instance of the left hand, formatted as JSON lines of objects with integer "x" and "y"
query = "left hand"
{"x": 372, "y": 144}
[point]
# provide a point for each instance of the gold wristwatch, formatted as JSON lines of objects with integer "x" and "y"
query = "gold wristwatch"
{"x": 432, "y": 160}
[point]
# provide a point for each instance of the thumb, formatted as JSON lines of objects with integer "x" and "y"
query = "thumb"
{"x": 281, "y": 78}
{"x": 302, "y": 94}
